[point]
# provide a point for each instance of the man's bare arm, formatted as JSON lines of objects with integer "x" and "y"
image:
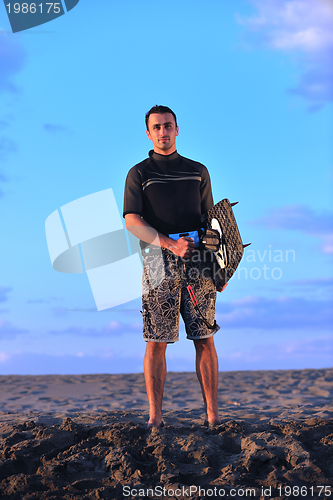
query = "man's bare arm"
{"x": 142, "y": 230}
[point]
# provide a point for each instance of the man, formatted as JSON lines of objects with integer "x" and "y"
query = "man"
{"x": 167, "y": 194}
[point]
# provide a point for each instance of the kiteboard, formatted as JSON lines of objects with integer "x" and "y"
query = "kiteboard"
{"x": 223, "y": 239}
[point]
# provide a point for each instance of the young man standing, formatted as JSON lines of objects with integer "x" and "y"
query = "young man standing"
{"x": 165, "y": 197}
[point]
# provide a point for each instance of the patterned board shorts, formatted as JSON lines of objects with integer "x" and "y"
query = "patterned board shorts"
{"x": 164, "y": 295}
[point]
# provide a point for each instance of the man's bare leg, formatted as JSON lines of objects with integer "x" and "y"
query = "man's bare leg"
{"x": 207, "y": 373}
{"x": 154, "y": 366}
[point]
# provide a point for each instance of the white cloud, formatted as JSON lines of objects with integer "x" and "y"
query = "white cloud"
{"x": 279, "y": 313}
{"x": 113, "y": 327}
{"x": 12, "y": 59}
{"x": 7, "y": 330}
{"x": 53, "y": 128}
{"x": 301, "y": 218}
{"x": 4, "y": 356}
{"x": 304, "y": 25}
{"x": 7, "y": 146}
{"x": 314, "y": 284}
{"x": 301, "y": 27}
{"x": 313, "y": 352}
{"x": 25, "y": 363}
{"x": 3, "y": 293}
{"x": 327, "y": 246}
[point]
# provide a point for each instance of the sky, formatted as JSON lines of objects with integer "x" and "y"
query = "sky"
{"x": 251, "y": 82}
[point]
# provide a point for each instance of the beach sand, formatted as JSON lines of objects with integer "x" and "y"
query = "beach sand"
{"x": 84, "y": 437}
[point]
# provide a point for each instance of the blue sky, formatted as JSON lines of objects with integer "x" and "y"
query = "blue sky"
{"x": 252, "y": 85}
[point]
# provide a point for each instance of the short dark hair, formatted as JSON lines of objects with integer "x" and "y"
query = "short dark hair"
{"x": 160, "y": 110}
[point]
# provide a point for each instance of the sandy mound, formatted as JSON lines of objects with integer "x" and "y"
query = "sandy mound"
{"x": 85, "y": 437}
{"x": 97, "y": 458}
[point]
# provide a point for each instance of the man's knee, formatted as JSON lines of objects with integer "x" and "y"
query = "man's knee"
{"x": 204, "y": 344}
{"x": 156, "y": 348}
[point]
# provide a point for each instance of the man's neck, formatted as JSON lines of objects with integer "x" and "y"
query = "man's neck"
{"x": 159, "y": 157}
{"x": 165, "y": 152}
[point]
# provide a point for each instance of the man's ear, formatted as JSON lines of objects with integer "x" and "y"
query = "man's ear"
{"x": 177, "y": 130}
{"x": 148, "y": 134}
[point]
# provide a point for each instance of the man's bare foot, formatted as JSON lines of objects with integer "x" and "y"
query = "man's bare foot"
{"x": 212, "y": 423}
{"x": 153, "y": 424}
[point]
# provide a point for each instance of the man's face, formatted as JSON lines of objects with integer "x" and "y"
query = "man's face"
{"x": 162, "y": 131}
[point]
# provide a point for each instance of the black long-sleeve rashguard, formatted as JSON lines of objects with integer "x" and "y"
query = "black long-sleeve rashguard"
{"x": 169, "y": 191}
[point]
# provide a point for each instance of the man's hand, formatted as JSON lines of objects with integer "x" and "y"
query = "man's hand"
{"x": 182, "y": 247}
